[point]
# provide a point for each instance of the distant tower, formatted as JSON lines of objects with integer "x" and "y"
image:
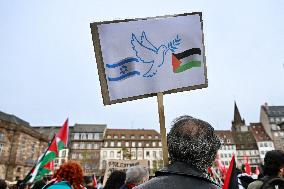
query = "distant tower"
{"x": 238, "y": 124}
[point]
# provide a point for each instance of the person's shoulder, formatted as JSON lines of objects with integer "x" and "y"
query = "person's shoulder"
{"x": 255, "y": 184}
{"x": 59, "y": 185}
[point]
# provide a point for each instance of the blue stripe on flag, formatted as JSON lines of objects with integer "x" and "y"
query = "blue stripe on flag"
{"x": 124, "y": 61}
{"x": 124, "y": 76}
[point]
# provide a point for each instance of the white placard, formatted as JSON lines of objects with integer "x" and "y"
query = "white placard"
{"x": 147, "y": 56}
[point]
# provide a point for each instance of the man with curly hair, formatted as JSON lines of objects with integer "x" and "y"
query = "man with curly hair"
{"x": 68, "y": 176}
{"x": 192, "y": 148}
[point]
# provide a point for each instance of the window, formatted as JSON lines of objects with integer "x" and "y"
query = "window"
{"x": 132, "y": 137}
{"x": 112, "y": 144}
{"x": 160, "y": 144}
{"x": 230, "y": 155}
{"x": 142, "y": 136}
{"x": 140, "y": 154}
{"x": 133, "y": 144}
{"x": 133, "y": 155}
{"x": 154, "y": 154}
{"x": 261, "y": 144}
{"x": 153, "y": 144}
{"x": 149, "y": 137}
{"x": 118, "y": 155}
{"x": 74, "y": 156}
{"x": 156, "y": 137}
{"x": 82, "y": 146}
{"x": 111, "y": 155}
{"x": 272, "y": 119}
{"x": 104, "y": 154}
{"x": 147, "y": 154}
{"x": 265, "y": 144}
{"x": 96, "y": 136}
{"x": 161, "y": 154}
{"x": 127, "y": 144}
{"x": 76, "y": 136}
{"x": 108, "y": 136}
{"x": 118, "y": 144}
{"x": 222, "y": 155}
{"x": 83, "y": 136}
{"x": 147, "y": 144}
{"x": 122, "y": 136}
{"x": 19, "y": 169}
{"x": 270, "y": 144}
{"x": 80, "y": 156}
{"x": 75, "y": 145}
{"x": 106, "y": 144}
{"x": 96, "y": 146}
{"x": 1, "y": 148}
{"x": 115, "y": 136}
{"x": 139, "y": 144}
{"x": 228, "y": 141}
{"x": 89, "y": 146}
{"x": 225, "y": 155}
{"x": 262, "y": 152}
{"x": 1, "y": 136}
{"x": 90, "y": 136}
{"x": 276, "y": 134}
{"x": 63, "y": 153}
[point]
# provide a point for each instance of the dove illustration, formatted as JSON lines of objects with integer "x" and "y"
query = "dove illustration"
{"x": 147, "y": 53}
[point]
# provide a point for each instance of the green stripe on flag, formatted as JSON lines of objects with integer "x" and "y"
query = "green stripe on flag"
{"x": 60, "y": 145}
{"x": 188, "y": 65}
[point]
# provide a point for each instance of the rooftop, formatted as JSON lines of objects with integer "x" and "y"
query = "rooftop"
{"x": 259, "y": 132}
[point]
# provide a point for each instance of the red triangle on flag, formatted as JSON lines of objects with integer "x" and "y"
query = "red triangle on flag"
{"x": 63, "y": 132}
{"x": 175, "y": 62}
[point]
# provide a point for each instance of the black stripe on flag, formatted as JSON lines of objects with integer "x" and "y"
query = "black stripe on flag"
{"x": 187, "y": 53}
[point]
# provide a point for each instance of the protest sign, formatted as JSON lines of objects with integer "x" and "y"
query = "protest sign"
{"x": 138, "y": 58}
{"x": 122, "y": 165}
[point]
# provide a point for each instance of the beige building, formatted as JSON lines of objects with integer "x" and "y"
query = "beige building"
{"x": 132, "y": 144}
{"x": 20, "y": 147}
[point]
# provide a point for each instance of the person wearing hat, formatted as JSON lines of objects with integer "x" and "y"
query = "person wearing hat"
{"x": 273, "y": 169}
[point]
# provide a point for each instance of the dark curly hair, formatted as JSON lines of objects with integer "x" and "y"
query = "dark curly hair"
{"x": 3, "y": 184}
{"x": 115, "y": 180}
{"x": 71, "y": 172}
{"x": 273, "y": 162}
{"x": 193, "y": 142}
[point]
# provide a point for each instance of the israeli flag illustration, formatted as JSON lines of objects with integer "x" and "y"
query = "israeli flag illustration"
{"x": 123, "y": 69}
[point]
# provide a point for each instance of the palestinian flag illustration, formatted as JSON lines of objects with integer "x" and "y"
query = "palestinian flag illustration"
{"x": 186, "y": 60}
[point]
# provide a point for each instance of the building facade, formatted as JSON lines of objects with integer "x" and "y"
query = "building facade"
{"x": 132, "y": 144}
{"x": 86, "y": 143}
{"x": 20, "y": 147}
{"x": 271, "y": 118}
{"x": 228, "y": 148}
{"x": 264, "y": 142}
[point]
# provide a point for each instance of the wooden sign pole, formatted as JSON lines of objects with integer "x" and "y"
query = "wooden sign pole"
{"x": 162, "y": 127}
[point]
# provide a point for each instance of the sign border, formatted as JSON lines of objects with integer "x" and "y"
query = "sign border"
{"x": 101, "y": 68}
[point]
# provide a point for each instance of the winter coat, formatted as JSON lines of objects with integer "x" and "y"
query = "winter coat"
{"x": 179, "y": 175}
{"x": 58, "y": 185}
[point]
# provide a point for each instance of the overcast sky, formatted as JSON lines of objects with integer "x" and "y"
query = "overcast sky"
{"x": 48, "y": 67}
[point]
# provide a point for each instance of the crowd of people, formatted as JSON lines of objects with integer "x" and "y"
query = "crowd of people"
{"x": 192, "y": 146}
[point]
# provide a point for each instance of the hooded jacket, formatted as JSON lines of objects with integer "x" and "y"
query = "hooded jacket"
{"x": 179, "y": 175}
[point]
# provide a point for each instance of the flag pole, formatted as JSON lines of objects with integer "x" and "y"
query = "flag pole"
{"x": 163, "y": 128}
{"x": 27, "y": 177}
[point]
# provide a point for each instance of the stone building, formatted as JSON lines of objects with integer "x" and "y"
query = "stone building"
{"x": 85, "y": 144}
{"x": 271, "y": 118}
{"x": 20, "y": 147}
{"x": 264, "y": 142}
{"x": 228, "y": 148}
{"x": 132, "y": 144}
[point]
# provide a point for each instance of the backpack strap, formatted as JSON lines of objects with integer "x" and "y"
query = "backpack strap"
{"x": 269, "y": 181}
{"x": 48, "y": 185}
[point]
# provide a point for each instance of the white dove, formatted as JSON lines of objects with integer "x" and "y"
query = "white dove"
{"x": 148, "y": 53}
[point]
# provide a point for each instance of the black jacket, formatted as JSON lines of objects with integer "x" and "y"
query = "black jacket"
{"x": 178, "y": 176}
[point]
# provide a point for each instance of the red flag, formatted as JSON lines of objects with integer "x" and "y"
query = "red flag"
{"x": 247, "y": 165}
{"x": 257, "y": 171}
{"x": 231, "y": 180}
{"x": 63, "y": 133}
{"x": 95, "y": 181}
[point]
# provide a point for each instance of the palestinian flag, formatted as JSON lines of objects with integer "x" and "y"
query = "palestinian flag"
{"x": 62, "y": 136}
{"x": 44, "y": 163}
{"x": 41, "y": 167}
{"x": 231, "y": 180}
{"x": 186, "y": 60}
